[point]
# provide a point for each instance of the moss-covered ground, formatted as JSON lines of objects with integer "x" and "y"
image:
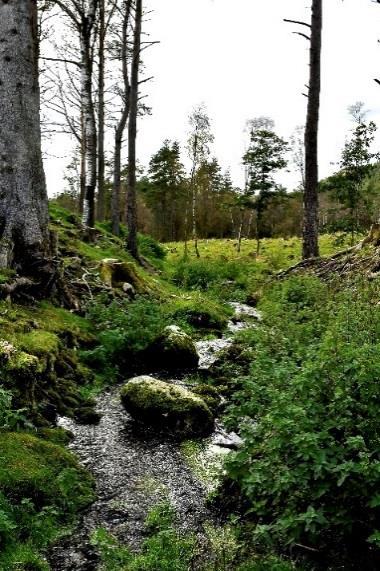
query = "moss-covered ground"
{"x": 53, "y": 359}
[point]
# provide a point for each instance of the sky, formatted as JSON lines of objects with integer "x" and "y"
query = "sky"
{"x": 242, "y": 61}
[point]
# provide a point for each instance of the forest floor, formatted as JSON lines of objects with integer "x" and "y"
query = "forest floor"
{"x": 145, "y": 502}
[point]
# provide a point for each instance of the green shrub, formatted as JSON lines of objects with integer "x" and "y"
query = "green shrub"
{"x": 310, "y": 465}
{"x": 10, "y": 419}
{"x": 125, "y": 328}
{"x": 42, "y": 487}
{"x": 150, "y": 248}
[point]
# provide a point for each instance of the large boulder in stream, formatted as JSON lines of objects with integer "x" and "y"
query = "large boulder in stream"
{"x": 167, "y": 406}
{"x": 173, "y": 350}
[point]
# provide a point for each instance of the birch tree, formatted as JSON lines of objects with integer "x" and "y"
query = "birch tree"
{"x": 198, "y": 148}
{"x": 23, "y": 196}
{"x": 82, "y": 16}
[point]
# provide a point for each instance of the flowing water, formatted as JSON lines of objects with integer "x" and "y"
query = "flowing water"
{"x": 135, "y": 468}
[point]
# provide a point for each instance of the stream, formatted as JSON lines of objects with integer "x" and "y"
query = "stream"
{"x": 135, "y": 468}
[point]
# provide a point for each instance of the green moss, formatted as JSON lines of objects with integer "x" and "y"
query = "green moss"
{"x": 199, "y": 312}
{"x": 37, "y": 469}
{"x": 173, "y": 349}
{"x": 206, "y": 462}
{"x": 169, "y": 406}
{"x": 56, "y": 435}
{"x": 22, "y": 364}
{"x": 22, "y": 557}
{"x": 39, "y": 342}
{"x": 210, "y": 395}
{"x": 42, "y": 488}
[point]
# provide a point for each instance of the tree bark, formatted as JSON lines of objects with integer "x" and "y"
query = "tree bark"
{"x": 194, "y": 197}
{"x": 132, "y": 135}
{"x": 116, "y": 191}
{"x": 24, "y": 234}
{"x": 310, "y": 225}
{"x": 82, "y": 166}
{"x": 90, "y": 135}
{"x": 101, "y": 113}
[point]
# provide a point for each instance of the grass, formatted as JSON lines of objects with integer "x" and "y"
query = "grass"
{"x": 42, "y": 487}
{"x": 227, "y": 275}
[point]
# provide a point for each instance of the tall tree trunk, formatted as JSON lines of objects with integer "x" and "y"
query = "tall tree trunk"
{"x": 240, "y": 231}
{"x": 310, "y": 225}
{"x": 24, "y": 234}
{"x": 101, "y": 109}
{"x": 82, "y": 166}
{"x": 132, "y": 134}
{"x": 90, "y": 144}
{"x": 193, "y": 187}
{"x": 115, "y": 206}
{"x": 249, "y": 226}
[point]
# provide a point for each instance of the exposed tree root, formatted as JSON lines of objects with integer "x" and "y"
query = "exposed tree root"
{"x": 347, "y": 262}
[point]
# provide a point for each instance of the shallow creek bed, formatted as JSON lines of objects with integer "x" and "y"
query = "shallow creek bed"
{"x": 135, "y": 468}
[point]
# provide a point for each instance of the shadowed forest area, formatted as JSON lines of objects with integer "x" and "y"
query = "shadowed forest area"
{"x": 189, "y": 365}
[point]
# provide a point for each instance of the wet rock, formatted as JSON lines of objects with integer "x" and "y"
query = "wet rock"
{"x": 168, "y": 406}
{"x": 173, "y": 349}
{"x": 87, "y": 415}
{"x": 229, "y": 440}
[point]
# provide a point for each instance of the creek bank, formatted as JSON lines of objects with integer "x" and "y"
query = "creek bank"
{"x": 135, "y": 467}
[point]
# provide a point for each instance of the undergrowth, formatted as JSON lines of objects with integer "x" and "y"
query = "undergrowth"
{"x": 308, "y": 413}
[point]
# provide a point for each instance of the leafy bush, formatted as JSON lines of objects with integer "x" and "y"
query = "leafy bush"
{"x": 10, "y": 419}
{"x": 308, "y": 412}
{"x": 150, "y": 248}
{"x": 125, "y": 328}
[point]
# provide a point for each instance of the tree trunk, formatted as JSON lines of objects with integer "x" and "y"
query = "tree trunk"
{"x": 88, "y": 216}
{"x": 132, "y": 134}
{"x": 310, "y": 225}
{"x": 240, "y": 231}
{"x": 82, "y": 166}
{"x": 24, "y": 234}
{"x": 122, "y": 123}
{"x": 250, "y": 220}
{"x": 101, "y": 107}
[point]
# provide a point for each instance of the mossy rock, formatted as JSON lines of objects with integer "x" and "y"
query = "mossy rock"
{"x": 59, "y": 436}
{"x": 22, "y": 364}
{"x": 253, "y": 298}
{"x": 167, "y": 406}
{"x": 210, "y": 395}
{"x": 200, "y": 315}
{"x": 87, "y": 415}
{"x": 172, "y": 350}
{"x": 36, "y": 469}
{"x": 39, "y": 343}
